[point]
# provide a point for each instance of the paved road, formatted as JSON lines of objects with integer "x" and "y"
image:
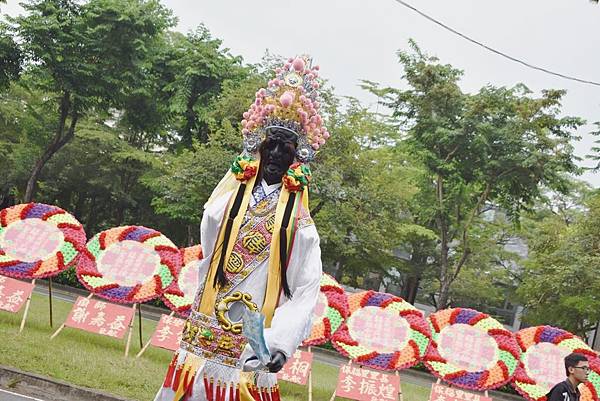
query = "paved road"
{"x": 10, "y": 396}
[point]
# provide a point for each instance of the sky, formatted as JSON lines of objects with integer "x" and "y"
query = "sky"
{"x": 353, "y": 40}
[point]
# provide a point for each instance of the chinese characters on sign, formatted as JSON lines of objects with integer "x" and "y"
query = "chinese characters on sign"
{"x": 440, "y": 392}
{"x": 31, "y": 240}
{"x": 544, "y": 363}
{"x": 13, "y": 294}
{"x": 296, "y": 370}
{"x": 128, "y": 263}
{"x": 367, "y": 385}
{"x": 100, "y": 317}
{"x": 379, "y": 329}
{"x": 168, "y": 333}
{"x": 467, "y": 347}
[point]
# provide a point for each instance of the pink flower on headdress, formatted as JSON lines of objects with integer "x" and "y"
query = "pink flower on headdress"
{"x": 298, "y": 64}
{"x": 286, "y": 99}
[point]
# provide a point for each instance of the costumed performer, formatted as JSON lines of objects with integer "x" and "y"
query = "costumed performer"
{"x": 261, "y": 246}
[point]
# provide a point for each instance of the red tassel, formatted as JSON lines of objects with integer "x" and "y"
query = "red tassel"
{"x": 223, "y": 391}
{"x": 185, "y": 379}
{"x": 170, "y": 371}
{"x": 208, "y": 388}
{"x": 231, "y": 392}
{"x": 218, "y": 392}
{"x": 253, "y": 392}
{"x": 190, "y": 389}
{"x": 237, "y": 393}
{"x": 177, "y": 378}
{"x": 276, "y": 396}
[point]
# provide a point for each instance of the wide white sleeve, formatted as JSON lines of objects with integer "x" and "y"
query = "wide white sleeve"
{"x": 209, "y": 231}
{"x": 292, "y": 320}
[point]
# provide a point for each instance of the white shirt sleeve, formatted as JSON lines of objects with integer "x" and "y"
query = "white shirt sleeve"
{"x": 292, "y": 320}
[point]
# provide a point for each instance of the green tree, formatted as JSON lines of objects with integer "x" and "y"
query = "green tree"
{"x": 359, "y": 195}
{"x": 561, "y": 279}
{"x": 10, "y": 57}
{"x": 197, "y": 68}
{"x": 24, "y": 120}
{"x": 187, "y": 177}
{"x": 185, "y": 181}
{"x": 85, "y": 56}
{"x": 499, "y": 146}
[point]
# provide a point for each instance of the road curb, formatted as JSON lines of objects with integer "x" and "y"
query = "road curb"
{"x": 38, "y": 386}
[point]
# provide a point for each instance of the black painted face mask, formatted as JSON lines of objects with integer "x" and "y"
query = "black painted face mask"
{"x": 277, "y": 153}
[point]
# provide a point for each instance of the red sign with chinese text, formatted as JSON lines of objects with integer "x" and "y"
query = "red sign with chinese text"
{"x": 367, "y": 385}
{"x": 296, "y": 370}
{"x": 439, "y": 392}
{"x": 99, "y": 317}
{"x": 13, "y": 293}
{"x": 168, "y": 333}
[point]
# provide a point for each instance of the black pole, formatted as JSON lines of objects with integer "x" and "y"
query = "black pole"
{"x": 50, "y": 297}
{"x": 140, "y": 323}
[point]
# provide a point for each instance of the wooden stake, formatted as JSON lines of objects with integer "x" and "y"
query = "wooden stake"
{"x": 26, "y": 312}
{"x": 130, "y": 332}
{"x": 50, "y": 297}
{"x": 62, "y": 326}
{"x": 140, "y": 324}
{"x": 310, "y": 390}
{"x": 401, "y": 397}
{"x": 149, "y": 341}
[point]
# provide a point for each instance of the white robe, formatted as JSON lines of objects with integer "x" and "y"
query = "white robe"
{"x": 292, "y": 319}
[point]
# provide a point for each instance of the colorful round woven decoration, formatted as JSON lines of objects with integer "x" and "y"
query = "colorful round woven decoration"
{"x": 589, "y": 391}
{"x": 542, "y": 360}
{"x": 330, "y": 312}
{"x": 38, "y": 240}
{"x": 471, "y": 350}
{"x": 382, "y": 332}
{"x": 130, "y": 264}
{"x": 180, "y": 295}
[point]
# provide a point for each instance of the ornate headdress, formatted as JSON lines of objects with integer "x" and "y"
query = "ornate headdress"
{"x": 290, "y": 102}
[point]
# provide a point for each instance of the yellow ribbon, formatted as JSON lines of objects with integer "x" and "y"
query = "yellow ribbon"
{"x": 209, "y": 295}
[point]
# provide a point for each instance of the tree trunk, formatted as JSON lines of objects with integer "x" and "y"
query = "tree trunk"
{"x": 444, "y": 297}
{"x": 339, "y": 272}
{"x": 410, "y": 288}
{"x": 445, "y": 277}
{"x": 190, "y": 235}
{"x": 7, "y": 198}
{"x": 60, "y": 139}
{"x": 317, "y": 208}
{"x": 78, "y": 212}
{"x": 90, "y": 221}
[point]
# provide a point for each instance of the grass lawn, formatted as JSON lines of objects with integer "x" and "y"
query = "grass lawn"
{"x": 98, "y": 362}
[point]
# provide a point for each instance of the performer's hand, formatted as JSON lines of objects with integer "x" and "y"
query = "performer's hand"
{"x": 278, "y": 359}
